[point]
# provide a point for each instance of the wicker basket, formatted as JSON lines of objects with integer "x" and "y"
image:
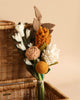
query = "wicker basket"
{"x": 16, "y": 83}
{"x": 27, "y": 91}
{"x": 11, "y": 65}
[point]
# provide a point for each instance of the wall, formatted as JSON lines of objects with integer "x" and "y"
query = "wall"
{"x": 66, "y": 15}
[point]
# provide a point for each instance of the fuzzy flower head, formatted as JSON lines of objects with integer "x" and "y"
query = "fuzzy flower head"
{"x": 51, "y": 54}
{"x": 32, "y": 53}
{"x": 42, "y": 36}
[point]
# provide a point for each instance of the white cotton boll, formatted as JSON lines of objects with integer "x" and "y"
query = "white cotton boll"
{"x": 21, "y": 46}
{"x": 27, "y": 62}
{"x": 20, "y": 29}
{"x": 27, "y": 33}
{"x": 17, "y": 37}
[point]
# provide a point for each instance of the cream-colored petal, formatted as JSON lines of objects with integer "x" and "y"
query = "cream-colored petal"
{"x": 27, "y": 33}
{"x": 21, "y": 46}
{"x": 27, "y": 62}
{"x": 20, "y": 29}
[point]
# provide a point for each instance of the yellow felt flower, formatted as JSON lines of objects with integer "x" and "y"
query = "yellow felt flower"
{"x": 41, "y": 67}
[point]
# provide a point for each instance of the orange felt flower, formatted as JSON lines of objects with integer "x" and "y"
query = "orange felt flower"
{"x": 41, "y": 67}
{"x": 42, "y": 36}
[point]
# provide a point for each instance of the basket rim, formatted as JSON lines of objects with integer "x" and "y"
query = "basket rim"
{"x": 5, "y": 24}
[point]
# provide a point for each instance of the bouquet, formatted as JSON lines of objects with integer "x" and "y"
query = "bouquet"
{"x": 35, "y": 42}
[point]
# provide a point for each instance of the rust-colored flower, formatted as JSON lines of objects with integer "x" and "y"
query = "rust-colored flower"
{"x": 42, "y": 36}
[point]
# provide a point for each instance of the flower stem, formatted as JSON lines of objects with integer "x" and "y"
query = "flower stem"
{"x": 40, "y": 85}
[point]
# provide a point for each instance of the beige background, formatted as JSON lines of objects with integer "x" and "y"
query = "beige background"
{"x": 66, "y": 15}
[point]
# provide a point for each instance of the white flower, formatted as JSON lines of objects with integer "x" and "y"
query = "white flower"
{"x": 21, "y": 46}
{"x": 51, "y": 54}
{"x": 27, "y": 62}
{"x": 17, "y": 37}
{"x": 20, "y": 29}
{"x": 27, "y": 33}
{"x": 30, "y": 45}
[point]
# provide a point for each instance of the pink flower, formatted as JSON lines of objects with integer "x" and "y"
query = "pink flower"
{"x": 32, "y": 53}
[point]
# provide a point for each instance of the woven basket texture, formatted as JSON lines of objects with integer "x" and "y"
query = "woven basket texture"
{"x": 11, "y": 64}
{"x": 28, "y": 91}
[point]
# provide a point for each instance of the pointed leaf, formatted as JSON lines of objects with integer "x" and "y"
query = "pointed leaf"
{"x": 48, "y": 70}
{"x": 43, "y": 46}
{"x": 42, "y": 58}
{"x": 33, "y": 66}
{"x": 42, "y": 76}
{"x": 50, "y": 31}
{"x": 36, "y": 24}
{"x": 48, "y": 25}
{"x": 54, "y": 63}
{"x": 37, "y": 13}
{"x": 32, "y": 71}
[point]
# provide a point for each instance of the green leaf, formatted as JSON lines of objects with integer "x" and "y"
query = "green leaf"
{"x": 43, "y": 46}
{"x": 32, "y": 71}
{"x": 54, "y": 63}
{"x": 48, "y": 70}
{"x": 34, "y": 66}
{"x": 32, "y": 36}
{"x": 24, "y": 41}
{"x": 35, "y": 61}
{"x": 42, "y": 59}
{"x": 39, "y": 76}
{"x": 42, "y": 76}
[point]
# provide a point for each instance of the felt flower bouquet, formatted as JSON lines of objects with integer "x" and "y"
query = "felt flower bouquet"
{"x": 35, "y": 42}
